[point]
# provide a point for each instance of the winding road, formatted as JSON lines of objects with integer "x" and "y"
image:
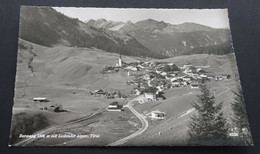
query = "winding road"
{"x": 129, "y": 105}
{"x": 140, "y": 131}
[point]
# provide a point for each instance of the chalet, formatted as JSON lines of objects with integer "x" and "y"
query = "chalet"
{"x": 200, "y": 70}
{"x": 219, "y": 78}
{"x": 173, "y": 74}
{"x": 211, "y": 77}
{"x": 40, "y": 99}
{"x": 158, "y": 115}
{"x": 203, "y": 76}
{"x": 146, "y": 76}
{"x": 128, "y": 68}
{"x": 134, "y": 69}
{"x": 150, "y": 93}
{"x": 225, "y": 76}
{"x": 186, "y": 78}
{"x": 130, "y": 82}
{"x": 114, "y": 106}
{"x": 160, "y": 88}
{"x": 163, "y": 73}
{"x": 140, "y": 66}
{"x": 137, "y": 92}
{"x": 174, "y": 79}
{"x": 187, "y": 70}
{"x": 110, "y": 69}
{"x": 99, "y": 92}
{"x": 55, "y": 108}
{"x": 176, "y": 84}
{"x": 160, "y": 96}
{"x": 194, "y": 86}
{"x": 116, "y": 69}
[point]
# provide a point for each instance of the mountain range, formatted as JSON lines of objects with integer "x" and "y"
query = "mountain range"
{"x": 167, "y": 39}
{"x": 45, "y": 26}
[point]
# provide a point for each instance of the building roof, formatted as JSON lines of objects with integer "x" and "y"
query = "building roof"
{"x": 114, "y": 103}
{"x": 157, "y": 112}
{"x": 150, "y": 90}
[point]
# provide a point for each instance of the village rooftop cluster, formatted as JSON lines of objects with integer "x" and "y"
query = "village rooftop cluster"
{"x": 151, "y": 79}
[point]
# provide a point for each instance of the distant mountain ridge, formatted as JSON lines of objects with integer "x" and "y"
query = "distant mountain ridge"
{"x": 45, "y": 26}
{"x": 148, "y": 38}
{"x": 167, "y": 39}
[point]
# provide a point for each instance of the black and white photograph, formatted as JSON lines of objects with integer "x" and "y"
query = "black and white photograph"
{"x": 89, "y": 76}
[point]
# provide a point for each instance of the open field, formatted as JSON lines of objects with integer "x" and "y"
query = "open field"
{"x": 108, "y": 126}
{"x": 66, "y": 75}
{"x": 177, "y": 106}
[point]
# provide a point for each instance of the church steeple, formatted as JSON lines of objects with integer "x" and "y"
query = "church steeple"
{"x": 120, "y": 60}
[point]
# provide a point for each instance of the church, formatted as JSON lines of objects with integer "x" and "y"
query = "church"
{"x": 119, "y": 64}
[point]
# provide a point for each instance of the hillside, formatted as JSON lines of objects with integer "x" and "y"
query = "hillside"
{"x": 170, "y": 40}
{"x": 45, "y": 26}
{"x": 64, "y": 75}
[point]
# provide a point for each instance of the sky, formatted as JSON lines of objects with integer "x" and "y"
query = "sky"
{"x": 216, "y": 18}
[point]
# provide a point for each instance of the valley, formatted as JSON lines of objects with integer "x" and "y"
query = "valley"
{"x": 102, "y": 82}
{"x": 67, "y": 75}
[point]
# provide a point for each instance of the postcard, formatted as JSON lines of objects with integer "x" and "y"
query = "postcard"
{"x": 127, "y": 77}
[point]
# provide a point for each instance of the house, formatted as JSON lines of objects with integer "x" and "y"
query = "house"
{"x": 134, "y": 69}
{"x": 174, "y": 79}
{"x": 186, "y": 78}
{"x": 160, "y": 88}
{"x": 150, "y": 93}
{"x": 114, "y": 106}
{"x": 225, "y": 76}
{"x": 203, "y": 76}
{"x": 150, "y": 96}
{"x": 110, "y": 69}
{"x": 40, "y": 99}
{"x": 99, "y": 92}
{"x": 194, "y": 86}
{"x": 176, "y": 84}
{"x": 116, "y": 69}
{"x": 219, "y": 78}
{"x": 160, "y": 96}
{"x": 130, "y": 82}
{"x": 163, "y": 73}
{"x": 211, "y": 76}
{"x": 158, "y": 115}
{"x": 187, "y": 70}
{"x": 128, "y": 67}
{"x": 55, "y": 108}
{"x": 137, "y": 92}
{"x": 146, "y": 76}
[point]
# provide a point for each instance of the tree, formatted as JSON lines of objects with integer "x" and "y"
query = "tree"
{"x": 239, "y": 120}
{"x": 209, "y": 123}
{"x": 119, "y": 94}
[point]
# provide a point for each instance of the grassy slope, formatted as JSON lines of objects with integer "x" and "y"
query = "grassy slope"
{"x": 174, "y": 128}
{"x": 64, "y": 75}
{"x": 61, "y": 71}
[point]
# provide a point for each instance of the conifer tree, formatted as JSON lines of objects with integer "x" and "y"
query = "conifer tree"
{"x": 208, "y": 123}
{"x": 240, "y": 121}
